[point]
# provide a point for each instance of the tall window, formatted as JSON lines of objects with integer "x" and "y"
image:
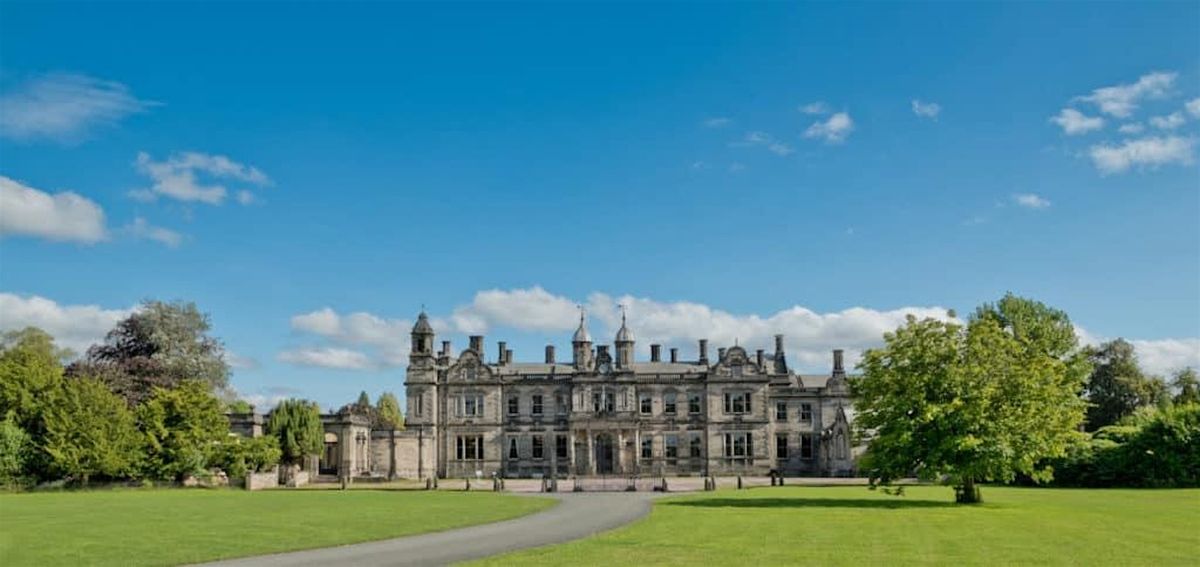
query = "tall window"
{"x": 646, "y": 404}
{"x": 806, "y": 446}
{"x": 695, "y": 446}
{"x": 647, "y": 447}
{"x": 539, "y": 449}
{"x": 470, "y": 373}
{"x": 560, "y": 447}
{"x": 536, "y": 406}
{"x": 671, "y": 448}
{"x": 604, "y": 402}
{"x": 514, "y": 405}
{"x": 512, "y": 448}
{"x": 737, "y": 402}
{"x": 693, "y": 403}
{"x": 805, "y": 412}
{"x": 418, "y": 403}
{"x": 669, "y": 403}
{"x": 780, "y": 411}
{"x": 469, "y": 447}
{"x": 737, "y": 445}
{"x": 472, "y": 405}
{"x": 560, "y": 403}
{"x": 781, "y": 446}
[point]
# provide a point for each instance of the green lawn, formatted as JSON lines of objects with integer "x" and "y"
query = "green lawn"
{"x": 853, "y": 526}
{"x": 166, "y": 527}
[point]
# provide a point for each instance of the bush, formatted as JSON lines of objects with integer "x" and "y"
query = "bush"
{"x": 16, "y": 451}
{"x": 181, "y": 427}
{"x": 239, "y": 456}
{"x": 1162, "y": 450}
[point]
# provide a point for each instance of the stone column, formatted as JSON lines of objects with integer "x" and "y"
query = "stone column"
{"x": 572, "y": 465}
{"x": 637, "y": 451}
{"x": 591, "y": 456}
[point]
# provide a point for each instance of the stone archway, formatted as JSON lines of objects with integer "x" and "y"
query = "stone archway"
{"x": 331, "y": 456}
{"x": 605, "y": 454}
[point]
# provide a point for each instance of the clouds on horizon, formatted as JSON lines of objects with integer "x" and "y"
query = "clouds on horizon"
{"x": 1147, "y": 153}
{"x": 65, "y": 107}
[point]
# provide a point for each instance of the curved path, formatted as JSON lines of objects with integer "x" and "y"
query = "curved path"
{"x": 577, "y": 515}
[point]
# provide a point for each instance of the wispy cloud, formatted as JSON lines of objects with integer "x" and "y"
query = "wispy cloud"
{"x": 64, "y": 107}
{"x": 1074, "y": 122}
{"x": 177, "y": 178}
{"x": 814, "y": 108}
{"x": 1142, "y": 153}
{"x": 65, "y": 216}
{"x": 926, "y": 109}
{"x": 1168, "y": 122}
{"x": 834, "y": 130}
{"x": 139, "y": 228}
{"x": 1031, "y": 201}
{"x": 765, "y": 140}
{"x": 1193, "y": 107}
{"x": 1131, "y": 128}
{"x": 717, "y": 122}
{"x": 327, "y": 357}
{"x": 1121, "y": 100}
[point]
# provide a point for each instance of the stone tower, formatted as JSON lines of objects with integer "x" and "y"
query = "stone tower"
{"x": 624, "y": 343}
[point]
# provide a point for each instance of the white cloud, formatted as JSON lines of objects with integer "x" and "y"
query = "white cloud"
{"x": 387, "y": 339}
{"x": 717, "y": 122}
{"x": 834, "y": 130}
{"x": 780, "y": 148}
{"x": 1074, "y": 122}
{"x": 1164, "y": 356}
{"x": 239, "y": 362}
{"x": 59, "y": 216}
{"x": 1131, "y": 128}
{"x": 139, "y": 228}
{"x": 758, "y": 137}
{"x": 766, "y": 140}
{"x": 246, "y": 197}
{"x": 74, "y": 326}
{"x": 64, "y": 107}
{"x": 926, "y": 109}
{"x": 1168, "y": 122}
{"x": 1031, "y": 201}
{"x": 327, "y": 357}
{"x": 817, "y": 107}
{"x": 1142, "y": 153}
{"x": 176, "y": 177}
{"x": 1121, "y": 100}
{"x": 1193, "y": 107}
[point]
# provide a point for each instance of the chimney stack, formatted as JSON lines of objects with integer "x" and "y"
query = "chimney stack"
{"x": 758, "y": 357}
{"x": 508, "y": 356}
{"x": 601, "y": 351}
{"x": 445, "y": 348}
{"x": 549, "y": 354}
{"x": 721, "y": 353}
{"x": 703, "y": 351}
{"x": 502, "y": 349}
{"x": 837, "y": 362}
{"x": 655, "y": 353}
{"x": 674, "y": 354}
{"x": 477, "y": 344}
{"x": 779, "y": 344}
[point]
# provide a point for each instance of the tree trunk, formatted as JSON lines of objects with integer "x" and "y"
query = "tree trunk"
{"x": 968, "y": 493}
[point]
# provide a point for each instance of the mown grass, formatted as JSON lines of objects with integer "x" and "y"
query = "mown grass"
{"x": 853, "y": 526}
{"x": 169, "y": 527}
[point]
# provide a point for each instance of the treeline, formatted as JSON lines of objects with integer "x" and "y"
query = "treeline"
{"x": 147, "y": 404}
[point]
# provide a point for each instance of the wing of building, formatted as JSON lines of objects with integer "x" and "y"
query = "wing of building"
{"x": 603, "y": 412}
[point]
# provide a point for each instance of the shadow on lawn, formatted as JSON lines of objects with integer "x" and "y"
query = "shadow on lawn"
{"x": 894, "y": 503}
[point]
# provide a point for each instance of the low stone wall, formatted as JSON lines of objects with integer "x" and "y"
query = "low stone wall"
{"x": 294, "y": 477}
{"x": 259, "y": 481}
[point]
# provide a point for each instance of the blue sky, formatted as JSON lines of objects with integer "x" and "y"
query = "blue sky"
{"x": 501, "y": 163}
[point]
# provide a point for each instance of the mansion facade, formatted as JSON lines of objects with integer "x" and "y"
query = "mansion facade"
{"x": 603, "y": 412}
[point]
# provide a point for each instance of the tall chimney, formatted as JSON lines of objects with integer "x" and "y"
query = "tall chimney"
{"x": 477, "y": 344}
{"x": 703, "y": 351}
{"x": 758, "y": 357}
{"x": 502, "y": 359}
{"x": 549, "y": 354}
{"x": 778, "y": 344}
{"x": 674, "y": 354}
{"x": 445, "y": 348}
{"x": 508, "y": 356}
{"x": 837, "y": 362}
{"x": 655, "y": 353}
{"x": 721, "y": 353}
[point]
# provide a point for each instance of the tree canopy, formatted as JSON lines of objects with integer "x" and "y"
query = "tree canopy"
{"x": 387, "y": 412}
{"x": 1187, "y": 385}
{"x": 181, "y": 427}
{"x": 1117, "y": 386}
{"x": 972, "y": 403}
{"x": 90, "y": 432}
{"x": 297, "y": 425}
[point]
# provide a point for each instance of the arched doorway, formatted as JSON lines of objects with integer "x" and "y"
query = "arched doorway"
{"x": 330, "y": 457}
{"x": 604, "y": 453}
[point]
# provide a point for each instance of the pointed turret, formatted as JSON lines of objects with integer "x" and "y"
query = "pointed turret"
{"x": 624, "y": 343}
{"x": 581, "y": 344}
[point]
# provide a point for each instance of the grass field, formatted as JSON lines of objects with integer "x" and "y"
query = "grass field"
{"x": 167, "y": 527}
{"x": 852, "y": 526}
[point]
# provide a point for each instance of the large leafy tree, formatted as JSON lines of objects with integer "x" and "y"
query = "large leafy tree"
{"x": 1188, "y": 386}
{"x": 159, "y": 345}
{"x": 1117, "y": 386}
{"x": 387, "y": 412}
{"x": 181, "y": 428}
{"x": 30, "y": 371}
{"x": 297, "y": 425}
{"x": 968, "y": 403}
{"x": 90, "y": 432}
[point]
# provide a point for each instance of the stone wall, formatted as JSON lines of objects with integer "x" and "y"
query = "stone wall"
{"x": 259, "y": 481}
{"x": 413, "y": 454}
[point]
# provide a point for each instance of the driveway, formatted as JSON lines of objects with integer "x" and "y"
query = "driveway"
{"x": 578, "y": 515}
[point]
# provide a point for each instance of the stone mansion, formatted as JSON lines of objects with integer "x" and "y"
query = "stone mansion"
{"x": 605, "y": 413}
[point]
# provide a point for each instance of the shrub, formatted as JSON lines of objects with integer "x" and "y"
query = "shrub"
{"x": 1160, "y": 450}
{"x": 239, "y": 456}
{"x": 16, "y": 450}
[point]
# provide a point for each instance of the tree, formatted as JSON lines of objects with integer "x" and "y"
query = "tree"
{"x": 1188, "y": 385}
{"x": 239, "y": 456}
{"x": 160, "y": 344}
{"x": 965, "y": 404}
{"x": 1117, "y": 387}
{"x": 30, "y": 370}
{"x": 387, "y": 412}
{"x": 297, "y": 425}
{"x": 90, "y": 432}
{"x": 16, "y": 448}
{"x": 364, "y": 402}
{"x": 181, "y": 426}
{"x": 239, "y": 406}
